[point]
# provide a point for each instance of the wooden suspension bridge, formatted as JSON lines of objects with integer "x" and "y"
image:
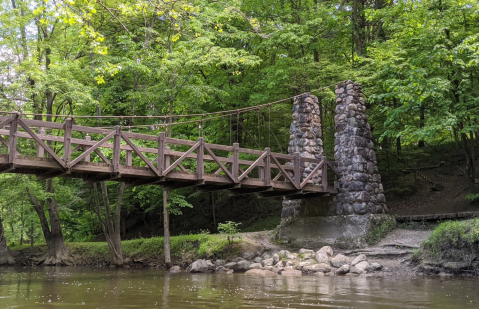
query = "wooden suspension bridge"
{"x": 52, "y": 149}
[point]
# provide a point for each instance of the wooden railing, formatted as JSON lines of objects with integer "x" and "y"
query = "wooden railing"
{"x": 50, "y": 149}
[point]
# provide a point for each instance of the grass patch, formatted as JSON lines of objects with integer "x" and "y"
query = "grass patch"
{"x": 456, "y": 241}
{"x": 380, "y": 227}
{"x": 264, "y": 225}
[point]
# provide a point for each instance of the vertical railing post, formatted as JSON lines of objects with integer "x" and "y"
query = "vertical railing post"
{"x": 85, "y": 148}
{"x": 12, "y": 143}
{"x": 40, "y": 149}
{"x": 116, "y": 150}
{"x": 167, "y": 162}
{"x": 67, "y": 141}
{"x": 267, "y": 167}
{"x": 235, "y": 163}
{"x": 297, "y": 169}
{"x": 129, "y": 158}
{"x": 161, "y": 153}
{"x": 324, "y": 174}
{"x": 200, "y": 163}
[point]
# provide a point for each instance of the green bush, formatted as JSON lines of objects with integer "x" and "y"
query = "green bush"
{"x": 231, "y": 230}
{"x": 456, "y": 241}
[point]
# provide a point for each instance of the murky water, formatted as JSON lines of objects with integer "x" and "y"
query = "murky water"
{"x": 111, "y": 288}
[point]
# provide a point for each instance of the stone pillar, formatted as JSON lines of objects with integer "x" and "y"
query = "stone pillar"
{"x": 305, "y": 138}
{"x": 360, "y": 188}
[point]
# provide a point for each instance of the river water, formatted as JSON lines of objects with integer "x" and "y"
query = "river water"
{"x": 72, "y": 287}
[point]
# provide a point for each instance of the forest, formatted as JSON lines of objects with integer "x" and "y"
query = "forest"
{"x": 417, "y": 61}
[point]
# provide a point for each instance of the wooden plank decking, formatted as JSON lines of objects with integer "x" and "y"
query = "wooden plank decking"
{"x": 48, "y": 149}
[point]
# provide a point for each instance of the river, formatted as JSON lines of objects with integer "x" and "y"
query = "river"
{"x": 76, "y": 287}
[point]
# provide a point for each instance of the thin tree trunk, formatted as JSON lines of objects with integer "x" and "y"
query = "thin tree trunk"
{"x": 5, "y": 256}
{"x": 166, "y": 230}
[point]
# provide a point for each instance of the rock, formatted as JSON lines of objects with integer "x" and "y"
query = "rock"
{"x": 323, "y": 267}
{"x": 238, "y": 259}
{"x": 259, "y": 272}
{"x": 232, "y": 265}
{"x": 456, "y": 266}
{"x": 268, "y": 262}
{"x": 255, "y": 266}
{"x": 283, "y": 253}
{"x": 258, "y": 260}
{"x": 268, "y": 268}
{"x": 291, "y": 273}
{"x": 359, "y": 259}
{"x": 429, "y": 269}
{"x": 339, "y": 260}
{"x": 306, "y": 254}
{"x": 249, "y": 255}
{"x": 266, "y": 256}
{"x": 305, "y": 263}
{"x": 326, "y": 249}
{"x": 220, "y": 263}
{"x": 360, "y": 268}
{"x": 322, "y": 257}
{"x": 289, "y": 264}
{"x": 375, "y": 266}
{"x": 276, "y": 258}
{"x": 224, "y": 270}
{"x": 175, "y": 269}
{"x": 280, "y": 264}
{"x": 200, "y": 266}
{"x": 243, "y": 266}
{"x": 344, "y": 269}
{"x": 303, "y": 251}
{"x": 291, "y": 256}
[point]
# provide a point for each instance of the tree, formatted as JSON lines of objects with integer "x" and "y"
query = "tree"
{"x": 5, "y": 256}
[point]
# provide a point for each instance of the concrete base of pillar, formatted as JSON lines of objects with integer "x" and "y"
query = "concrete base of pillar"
{"x": 346, "y": 232}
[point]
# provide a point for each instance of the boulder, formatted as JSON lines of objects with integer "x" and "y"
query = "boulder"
{"x": 327, "y": 249}
{"x": 305, "y": 263}
{"x": 255, "y": 266}
{"x": 360, "y": 268}
{"x": 232, "y": 265}
{"x": 200, "y": 266}
{"x": 289, "y": 264}
{"x": 266, "y": 256}
{"x": 360, "y": 258}
{"x": 175, "y": 269}
{"x": 243, "y": 266}
{"x": 375, "y": 266}
{"x": 280, "y": 264}
{"x": 306, "y": 254}
{"x": 291, "y": 256}
{"x": 339, "y": 260}
{"x": 258, "y": 259}
{"x": 456, "y": 266}
{"x": 259, "y": 272}
{"x": 238, "y": 259}
{"x": 249, "y": 255}
{"x": 343, "y": 270}
{"x": 322, "y": 267}
{"x": 220, "y": 263}
{"x": 322, "y": 257}
{"x": 267, "y": 262}
{"x": 291, "y": 273}
{"x": 276, "y": 258}
{"x": 224, "y": 270}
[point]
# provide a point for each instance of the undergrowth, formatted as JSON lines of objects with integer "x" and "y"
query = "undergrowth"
{"x": 265, "y": 224}
{"x": 456, "y": 241}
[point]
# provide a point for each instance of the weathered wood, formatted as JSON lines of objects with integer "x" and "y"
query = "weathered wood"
{"x": 141, "y": 155}
{"x": 116, "y": 150}
{"x": 200, "y": 164}
{"x": 85, "y": 148}
{"x": 91, "y": 149}
{"x": 235, "y": 163}
{"x": 267, "y": 167}
{"x": 314, "y": 171}
{"x": 252, "y": 166}
{"x": 161, "y": 153}
{"x": 180, "y": 159}
{"x": 285, "y": 173}
{"x": 230, "y": 175}
{"x": 324, "y": 174}
{"x": 40, "y": 149}
{"x": 12, "y": 145}
{"x": 67, "y": 141}
{"x": 297, "y": 168}
{"x": 102, "y": 156}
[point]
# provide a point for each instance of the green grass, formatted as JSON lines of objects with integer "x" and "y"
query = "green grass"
{"x": 456, "y": 241}
{"x": 184, "y": 249}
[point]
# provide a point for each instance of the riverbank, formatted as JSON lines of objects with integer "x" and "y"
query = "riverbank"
{"x": 415, "y": 248}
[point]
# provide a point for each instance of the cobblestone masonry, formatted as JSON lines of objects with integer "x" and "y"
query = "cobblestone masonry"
{"x": 305, "y": 138}
{"x": 360, "y": 188}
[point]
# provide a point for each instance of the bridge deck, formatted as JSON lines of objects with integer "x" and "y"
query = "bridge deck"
{"x": 68, "y": 150}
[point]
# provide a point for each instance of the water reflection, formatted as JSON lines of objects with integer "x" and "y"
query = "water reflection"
{"x": 111, "y": 288}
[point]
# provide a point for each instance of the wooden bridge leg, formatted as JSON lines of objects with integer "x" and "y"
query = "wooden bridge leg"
{"x": 40, "y": 149}
{"x": 324, "y": 175}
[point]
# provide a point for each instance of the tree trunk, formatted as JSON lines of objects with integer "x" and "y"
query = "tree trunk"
{"x": 166, "y": 230}
{"x": 57, "y": 253}
{"x": 5, "y": 256}
{"x": 111, "y": 225}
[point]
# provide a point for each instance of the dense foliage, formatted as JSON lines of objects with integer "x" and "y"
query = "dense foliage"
{"x": 418, "y": 62}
